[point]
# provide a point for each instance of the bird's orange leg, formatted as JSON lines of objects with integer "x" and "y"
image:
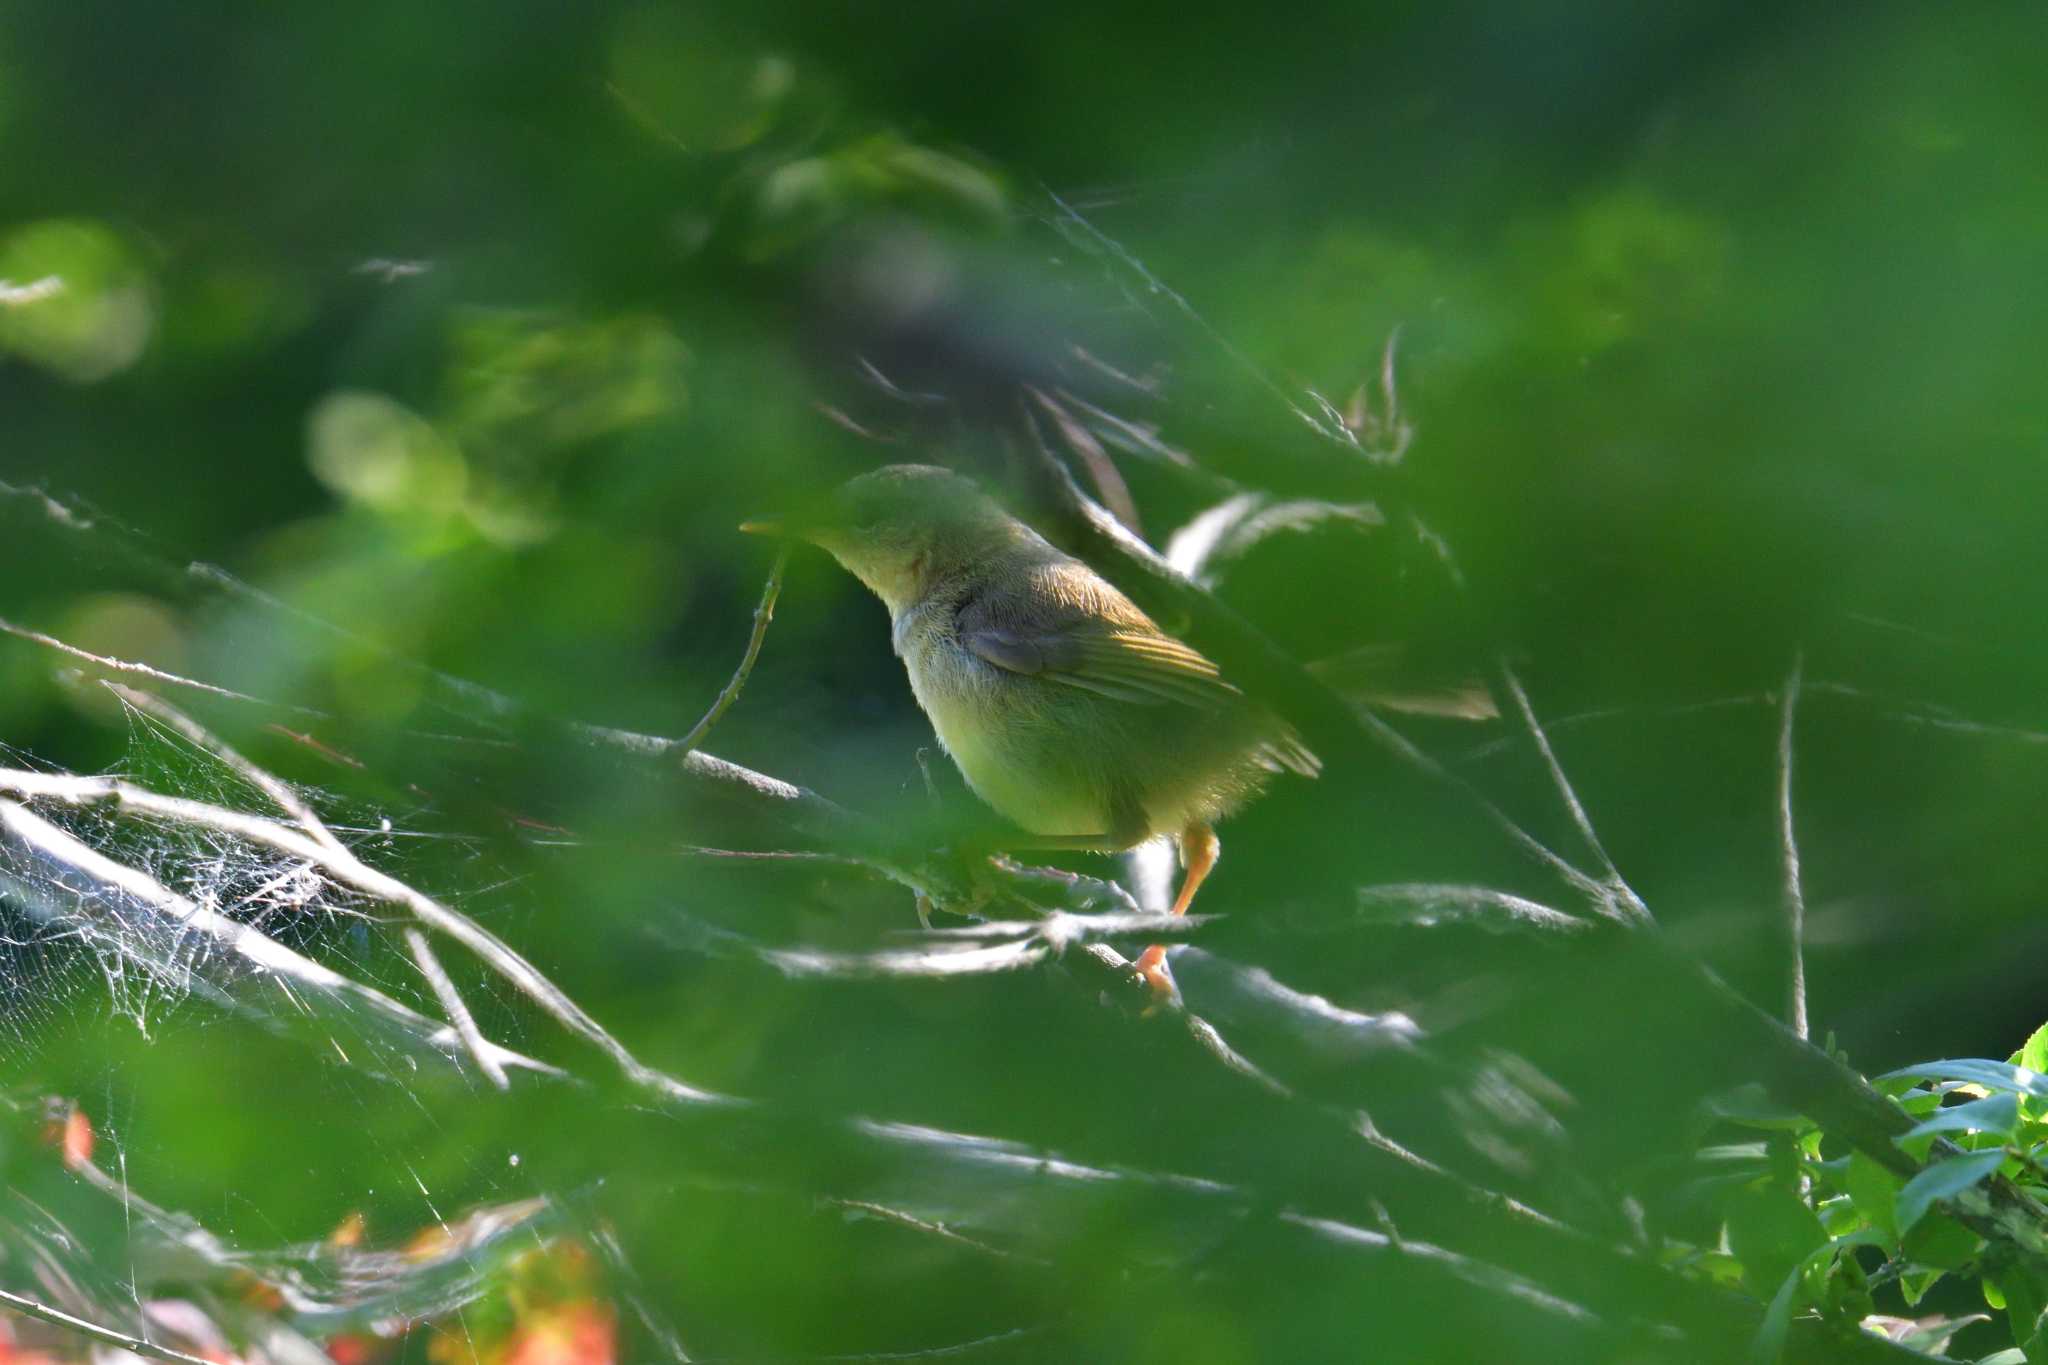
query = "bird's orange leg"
{"x": 1199, "y": 848}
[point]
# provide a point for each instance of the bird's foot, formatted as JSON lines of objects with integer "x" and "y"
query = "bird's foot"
{"x": 1152, "y": 970}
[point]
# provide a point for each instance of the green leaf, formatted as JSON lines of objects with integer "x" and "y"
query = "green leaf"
{"x": 1771, "y": 1230}
{"x": 1944, "y": 1180}
{"x": 1721, "y": 1268}
{"x": 2035, "y": 1344}
{"x": 1939, "y": 1242}
{"x": 2023, "y": 1300}
{"x": 1840, "y": 1217}
{"x": 1999, "y": 1114}
{"x": 2011, "y": 1355}
{"x": 1921, "y": 1103}
{"x": 1751, "y": 1107}
{"x": 1980, "y": 1071}
{"x": 1768, "y": 1346}
{"x": 2033, "y": 1054}
{"x": 1914, "y": 1285}
{"x": 1875, "y": 1192}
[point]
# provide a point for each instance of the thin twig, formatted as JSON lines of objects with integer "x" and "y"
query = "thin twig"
{"x": 763, "y": 613}
{"x": 989, "y": 948}
{"x": 140, "y": 670}
{"x": 930, "y": 1228}
{"x": 1109, "y": 482}
{"x": 952, "y": 1351}
{"x": 1064, "y": 929}
{"x": 1402, "y": 748}
{"x": 1479, "y": 1274}
{"x": 1314, "y": 1026}
{"x": 1094, "y": 239}
{"x": 1493, "y": 747}
{"x": 1793, "y": 895}
{"x": 767, "y": 855}
{"x": 454, "y": 1007}
{"x": 57, "y": 1317}
{"x": 1111, "y": 972}
{"x": 1428, "y": 903}
{"x": 1625, "y": 898}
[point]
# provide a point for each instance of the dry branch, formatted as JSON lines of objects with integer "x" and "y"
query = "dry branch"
{"x": 1624, "y": 900}
{"x": 1793, "y": 895}
{"x": 106, "y": 1336}
{"x": 1425, "y": 904}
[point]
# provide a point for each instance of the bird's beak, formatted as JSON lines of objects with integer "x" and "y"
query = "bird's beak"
{"x": 801, "y": 522}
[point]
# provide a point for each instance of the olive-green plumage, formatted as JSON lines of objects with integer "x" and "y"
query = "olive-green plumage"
{"x": 1066, "y": 708}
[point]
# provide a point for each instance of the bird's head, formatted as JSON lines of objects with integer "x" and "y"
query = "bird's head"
{"x": 900, "y": 528}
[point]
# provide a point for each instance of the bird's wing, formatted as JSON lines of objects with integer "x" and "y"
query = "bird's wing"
{"x": 1064, "y": 624}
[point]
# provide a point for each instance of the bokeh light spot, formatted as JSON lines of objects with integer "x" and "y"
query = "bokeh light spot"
{"x": 77, "y": 300}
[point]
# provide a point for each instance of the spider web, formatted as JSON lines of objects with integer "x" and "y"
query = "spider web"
{"x": 150, "y": 962}
{"x": 144, "y": 918}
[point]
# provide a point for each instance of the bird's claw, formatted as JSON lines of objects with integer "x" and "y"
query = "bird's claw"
{"x": 1152, "y": 973}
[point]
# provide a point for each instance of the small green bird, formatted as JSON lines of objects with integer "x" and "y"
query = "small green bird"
{"x": 1065, "y": 707}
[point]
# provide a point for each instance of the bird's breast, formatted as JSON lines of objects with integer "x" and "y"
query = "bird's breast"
{"x": 996, "y": 728}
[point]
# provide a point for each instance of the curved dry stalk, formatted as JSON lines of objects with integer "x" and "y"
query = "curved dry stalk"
{"x": 1478, "y": 1274}
{"x": 931, "y": 1228}
{"x": 1400, "y": 746}
{"x": 1064, "y": 928}
{"x": 1425, "y": 903}
{"x": 1623, "y": 898}
{"x": 990, "y": 948}
{"x": 1792, "y": 894}
{"x": 764, "y": 611}
{"x": 1078, "y": 229}
{"x": 106, "y": 1336}
{"x": 1239, "y": 994}
{"x": 140, "y": 670}
{"x": 454, "y": 1007}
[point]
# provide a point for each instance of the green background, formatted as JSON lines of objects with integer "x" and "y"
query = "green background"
{"x": 474, "y": 330}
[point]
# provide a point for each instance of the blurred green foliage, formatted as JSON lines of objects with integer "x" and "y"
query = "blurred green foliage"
{"x": 471, "y": 331}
